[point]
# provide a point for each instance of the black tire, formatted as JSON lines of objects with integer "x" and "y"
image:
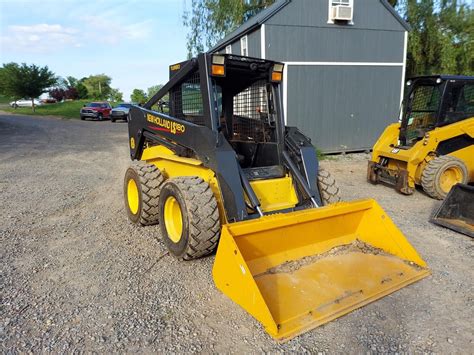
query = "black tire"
{"x": 328, "y": 188}
{"x": 100, "y": 117}
{"x": 83, "y": 118}
{"x": 148, "y": 180}
{"x": 431, "y": 177}
{"x": 112, "y": 120}
{"x": 15, "y": 106}
{"x": 200, "y": 217}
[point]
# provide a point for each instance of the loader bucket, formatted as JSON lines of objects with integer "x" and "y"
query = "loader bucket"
{"x": 457, "y": 210}
{"x": 298, "y": 270}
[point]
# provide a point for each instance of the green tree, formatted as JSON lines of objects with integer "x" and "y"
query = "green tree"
{"x": 138, "y": 96}
{"x": 116, "y": 95}
{"x": 98, "y": 86}
{"x": 210, "y": 20}
{"x": 441, "y": 39}
{"x": 82, "y": 92}
{"x": 25, "y": 81}
{"x": 152, "y": 90}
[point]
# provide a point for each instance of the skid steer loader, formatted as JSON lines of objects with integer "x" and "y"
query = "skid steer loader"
{"x": 218, "y": 168}
{"x": 433, "y": 145}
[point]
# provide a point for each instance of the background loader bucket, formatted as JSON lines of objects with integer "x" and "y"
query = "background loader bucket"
{"x": 457, "y": 210}
{"x": 298, "y": 270}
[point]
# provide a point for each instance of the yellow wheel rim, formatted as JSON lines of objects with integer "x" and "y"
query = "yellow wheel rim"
{"x": 173, "y": 219}
{"x": 132, "y": 196}
{"x": 449, "y": 178}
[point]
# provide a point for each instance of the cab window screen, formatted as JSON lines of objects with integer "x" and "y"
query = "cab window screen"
{"x": 459, "y": 103}
{"x": 187, "y": 101}
{"x": 252, "y": 121}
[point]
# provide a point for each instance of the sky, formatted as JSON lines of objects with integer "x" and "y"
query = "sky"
{"x": 133, "y": 42}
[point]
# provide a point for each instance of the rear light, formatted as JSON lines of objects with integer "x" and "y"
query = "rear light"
{"x": 277, "y": 73}
{"x": 276, "y": 76}
{"x": 218, "y": 70}
{"x": 218, "y": 65}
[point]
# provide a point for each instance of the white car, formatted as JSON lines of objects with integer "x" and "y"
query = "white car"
{"x": 25, "y": 103}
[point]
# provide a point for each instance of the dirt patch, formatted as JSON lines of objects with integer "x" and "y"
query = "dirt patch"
{"x": 356, "y": 247}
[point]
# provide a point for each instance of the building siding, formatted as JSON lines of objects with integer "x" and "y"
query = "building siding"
{"x": 368, "y": 14}
{"x": 313, "y": 44}
{"x": 343, "y": 108}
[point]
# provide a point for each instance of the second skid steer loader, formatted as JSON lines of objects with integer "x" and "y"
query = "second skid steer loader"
{"x": 219, "y": 168}
{"x": 433, "y": 145}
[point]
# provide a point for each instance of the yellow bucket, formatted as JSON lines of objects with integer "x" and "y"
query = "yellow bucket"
{"x": 298, "y": 270}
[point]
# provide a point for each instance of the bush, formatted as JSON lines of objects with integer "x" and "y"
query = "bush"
{"x": 57, "y": 94}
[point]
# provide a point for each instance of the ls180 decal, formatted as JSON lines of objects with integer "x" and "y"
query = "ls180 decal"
{"x": 166, "y": 125}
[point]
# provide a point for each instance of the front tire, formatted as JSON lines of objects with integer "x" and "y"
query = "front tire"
{"x": 100, "y": 117}
{"x": 441, "y": 174}
{"x": 141, "y": 191}
{"x": 189, "y": 217}
{"x": 328, "y": 188}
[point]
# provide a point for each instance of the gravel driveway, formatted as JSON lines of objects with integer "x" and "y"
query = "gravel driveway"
{"x": 77, "y": 276}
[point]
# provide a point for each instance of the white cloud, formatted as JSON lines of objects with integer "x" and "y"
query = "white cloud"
{"x": 39, "y": 38}
{"x": 48, "y": 38}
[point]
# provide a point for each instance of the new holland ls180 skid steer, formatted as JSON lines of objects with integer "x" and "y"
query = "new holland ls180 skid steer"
{"x": 220, "y": 169}
{"x": 433, "y": 146}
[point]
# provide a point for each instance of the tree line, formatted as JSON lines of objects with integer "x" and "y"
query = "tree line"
{"x": 441, "y": 39}
{"x": 19, "y": 81}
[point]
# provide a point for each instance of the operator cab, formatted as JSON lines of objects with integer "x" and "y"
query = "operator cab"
{"x": 246, "y": 102}
{"x": 434, "y": 101}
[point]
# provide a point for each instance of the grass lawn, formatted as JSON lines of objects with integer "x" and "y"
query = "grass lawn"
{"x": 68, "y": 109}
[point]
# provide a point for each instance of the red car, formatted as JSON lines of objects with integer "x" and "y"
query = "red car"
{"x": 96, "y": 110}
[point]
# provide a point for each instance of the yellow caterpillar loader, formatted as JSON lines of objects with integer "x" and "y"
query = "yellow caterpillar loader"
{"x": 433, "y": 145}
{"x": 216, "y": 167}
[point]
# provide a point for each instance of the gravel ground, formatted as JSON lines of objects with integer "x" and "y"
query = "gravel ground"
{"x": 77, "y": 276}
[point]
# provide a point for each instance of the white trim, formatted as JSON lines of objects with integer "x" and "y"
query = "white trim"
{"x": 246, "y": 46}
{"x": 262, "y": 42}
{"x": 367, "y": 64}
{"x": 404, "y": 67}
{"x": 228, "y": 49}
{"x": 285, "y": 93}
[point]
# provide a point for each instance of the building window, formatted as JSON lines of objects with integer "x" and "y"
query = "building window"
{"x": 228, "y": 49}
{"x": 244, "y": 46}
{"x": 341, "y": 11}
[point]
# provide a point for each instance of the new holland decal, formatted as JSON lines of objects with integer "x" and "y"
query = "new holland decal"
{"x": 165, "y": 125}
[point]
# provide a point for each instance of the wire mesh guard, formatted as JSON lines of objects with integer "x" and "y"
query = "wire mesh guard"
{"x": 187, "y": 101}
{"x": 251, "y": 118}
{"x": 424, "y": 106}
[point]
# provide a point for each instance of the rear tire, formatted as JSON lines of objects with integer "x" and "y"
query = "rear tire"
{"x": 328, "y": 188}
{"x": 189, "y": 217}
{"x": 141, "y": 190}
{"x": 442, "y": 173}
{"x": 112, "y": 120}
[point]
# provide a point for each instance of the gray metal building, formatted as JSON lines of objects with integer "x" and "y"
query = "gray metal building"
{"x": 345, "y": 65}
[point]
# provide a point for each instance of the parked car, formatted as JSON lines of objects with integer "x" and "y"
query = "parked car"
{"x": 25, "y": 103}
{"x": 96, "y": 110}
{"x": 120, "y": 112}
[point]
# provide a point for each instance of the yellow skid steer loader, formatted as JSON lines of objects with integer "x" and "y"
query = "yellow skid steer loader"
{"x": 433, "y": 145}
{"x": 216, "y": 167}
